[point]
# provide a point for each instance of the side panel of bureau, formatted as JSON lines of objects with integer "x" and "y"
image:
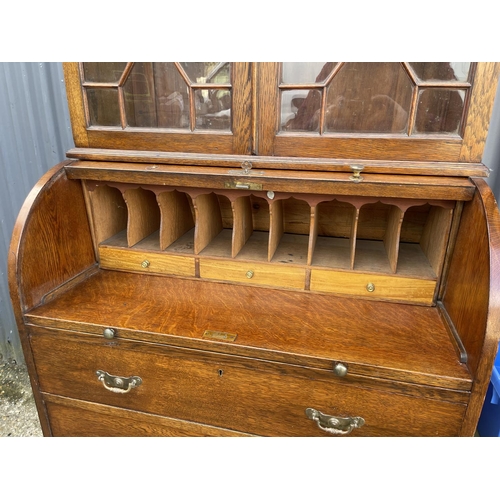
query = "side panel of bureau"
{"x": 472, "y": 293}
{"x": 51, "y": 249}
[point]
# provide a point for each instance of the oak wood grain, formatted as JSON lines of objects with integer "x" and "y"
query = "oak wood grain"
{"x": 107, "y": 211}
{"x": 267, "y": 106}
{"x": 276, "y": 227}
{"x": 75, "y": 104}
{"x": 471, "y": 295}
{"x": 242, "y": 226}
{"x": 336, "y": 183}
{"x": 414, "y": 167}
{"x": 139, "y": 260}
{"x": 313, "y": 233}
{"x": 435, "y": 236}
{"x": 46, "y": 251}
{"x": 369, "y": 148}
{"x": 55, "y": 242}
{"x": 480, "y": 108}
{"x": 96, "y": 420}
{"x": 467, "y": 288}
{"x": 241, "y": 110}
{"x": 235, "y": 394}
{"x": 143, "y": 214}
{"x": 399, "y": 341}
{"x": 253, "y": 273}
{"x": 176, "y": 216}
{"x": 208, "y": 220}
{"x": 392, "y": 236}
{"x": 385, "y": 287}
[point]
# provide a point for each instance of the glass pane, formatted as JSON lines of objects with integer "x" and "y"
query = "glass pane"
{"x": 213, "y": 109}
{"x": 172, "y": 96}
{"x": 107, "y": 72}
{"x": 103, "y": 107}
{"x": 208, "y": 72}
{"x": 156, "y": 96}
{"x": 306, "y": 72}
{"x": 369, "y": 97}
{"x": 439, "y": 110}
{"x": 300, "y": 110}
{"x": 442, "y": 71}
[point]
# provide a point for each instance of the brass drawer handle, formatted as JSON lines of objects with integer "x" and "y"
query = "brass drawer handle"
{"x": 335, "y": 425}
{"x": 120, "y": 385}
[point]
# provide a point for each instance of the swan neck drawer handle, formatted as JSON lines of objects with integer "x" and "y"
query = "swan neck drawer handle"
{"x": 335, "y": 425}
{"x": 120, "y": 385}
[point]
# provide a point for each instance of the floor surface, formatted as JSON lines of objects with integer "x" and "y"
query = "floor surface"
{"x": 18, "y": 415}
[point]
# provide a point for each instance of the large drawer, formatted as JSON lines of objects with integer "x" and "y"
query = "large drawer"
{"x": 236, "y": 393}
{"x": 96, "y": 420}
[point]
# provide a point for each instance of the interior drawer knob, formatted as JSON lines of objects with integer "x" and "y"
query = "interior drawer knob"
{"x": 370, "y": 287}
{"x": 340, "y": 369}
{"x": 109, "y": 333}
{"x": 145, "y": 264}
{"x": 335, "y": 425}
{"x": 249, "y": 274}
{"x": 120, "y": 385}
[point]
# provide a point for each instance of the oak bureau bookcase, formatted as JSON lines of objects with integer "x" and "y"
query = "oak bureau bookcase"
{"x": 274, "y": 249}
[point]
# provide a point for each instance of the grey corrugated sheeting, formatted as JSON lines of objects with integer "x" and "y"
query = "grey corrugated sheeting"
{"x": 491, "y": 156}
{"x": 35, "y": 134}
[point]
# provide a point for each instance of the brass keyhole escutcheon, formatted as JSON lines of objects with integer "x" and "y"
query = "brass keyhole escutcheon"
{"x": 249, "y": 274}
{"x": 145, "y": 264}
{"x": 370, "y": 287}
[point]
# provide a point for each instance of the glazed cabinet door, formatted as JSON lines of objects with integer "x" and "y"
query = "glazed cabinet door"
{"x": 376, "y": 111}
{"x": 161, "y": 106}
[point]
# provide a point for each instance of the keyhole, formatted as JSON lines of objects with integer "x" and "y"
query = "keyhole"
{"x": 220, "y": 372}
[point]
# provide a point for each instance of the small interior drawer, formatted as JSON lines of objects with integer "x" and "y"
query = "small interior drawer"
{"x": 374, "y": 286}
{"x": 253, "y": 273}
{"x": 141, "y": 261}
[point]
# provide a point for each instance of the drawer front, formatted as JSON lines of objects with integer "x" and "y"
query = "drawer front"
{"x": 95, "y": 420}
{"x": 240, "y": 394}
{"x": 253, "y": 273}
{"x": 147, "y": 262}
{"x": 374, "y": 286}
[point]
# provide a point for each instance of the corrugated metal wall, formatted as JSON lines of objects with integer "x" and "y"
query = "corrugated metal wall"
{"x": 35, "y": 134}
{"x": 491, "y": 156}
